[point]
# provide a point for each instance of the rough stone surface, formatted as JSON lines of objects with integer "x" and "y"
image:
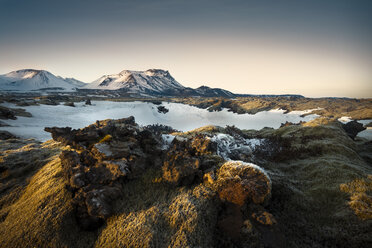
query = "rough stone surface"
{"x": 240, "y": 183}
{"x": 108, "y": 151}
{"x": 352, "y": 128}
{"x": 187, "y": 159}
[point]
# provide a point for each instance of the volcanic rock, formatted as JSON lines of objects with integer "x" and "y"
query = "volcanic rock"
{"x": 109, "y": 151}
{"x": 187, "y": 158}
{"x": 352, "y": 128}
{"x": 162, "y": 109}
{"x": 240, "y": 183}
{"x": 6, "y": 113}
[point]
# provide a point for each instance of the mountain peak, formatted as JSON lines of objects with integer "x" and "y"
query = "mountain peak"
{"x": 151, "y": 81}
{"x": 157, "y": 72}
{"x": 25, "y": 73}
{"x": 31, "y": 79}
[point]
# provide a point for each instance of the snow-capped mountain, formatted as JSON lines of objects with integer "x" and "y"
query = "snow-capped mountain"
{"x": 153, "y": 81}
{"x": 35, "y": 80}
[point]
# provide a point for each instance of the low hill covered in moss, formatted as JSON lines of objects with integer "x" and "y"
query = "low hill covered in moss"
{"x": 116, "y": 184}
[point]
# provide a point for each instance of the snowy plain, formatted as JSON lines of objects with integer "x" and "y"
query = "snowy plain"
{"x": 180, "y": 116}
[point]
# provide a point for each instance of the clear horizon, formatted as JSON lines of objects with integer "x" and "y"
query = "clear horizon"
{"x": 316, "y": 49}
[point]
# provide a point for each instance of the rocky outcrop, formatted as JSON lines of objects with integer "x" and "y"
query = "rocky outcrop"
{"x": 108, "y": 152}
{"x": 352, "y": 128}
{"x": 240, "y": 183}
{"x": 184, "y": 194}
{"x": 12, "y": 113}
{"x": 162, "y": 109}
{"x": 186, "y": 160}
{"x": 6, "y": 113}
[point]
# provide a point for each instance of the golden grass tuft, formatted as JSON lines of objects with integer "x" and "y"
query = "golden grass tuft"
{"x": 360, "y": 191}
{"x": 43, "y": 215}
{"x": 153, "y": 214}
{"x": 107, "y": 138}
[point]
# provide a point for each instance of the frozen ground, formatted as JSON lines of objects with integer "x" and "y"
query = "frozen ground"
{"x": 181, "y": 117}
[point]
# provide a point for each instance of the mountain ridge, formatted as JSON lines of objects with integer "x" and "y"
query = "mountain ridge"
{"x": 148, "y": 83}
{"x": 35, "y": 80}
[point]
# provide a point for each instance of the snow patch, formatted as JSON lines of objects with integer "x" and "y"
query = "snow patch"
{"x": 226, "y": 145}
{"x": 144, "y": 113}
{"x": 167, "y": 140}
{"x": 344, "y": 119}
{"x": 104, "y": 149}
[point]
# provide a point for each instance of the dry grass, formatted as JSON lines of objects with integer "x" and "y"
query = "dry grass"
{"x": 306, "y": 200}
{"x": 360, "y": 191}
{"x": 42, "y": 216}
{"x": 153, "y": 214}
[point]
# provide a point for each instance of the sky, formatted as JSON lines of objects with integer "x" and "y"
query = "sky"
{"x": 315, "y": 48}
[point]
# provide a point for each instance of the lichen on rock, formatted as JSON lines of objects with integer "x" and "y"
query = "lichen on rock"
{"x": 238, "y": 182}
{"x": 104, "y": 154}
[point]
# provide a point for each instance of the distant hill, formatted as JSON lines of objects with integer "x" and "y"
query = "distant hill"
{"x": 149, "y": 83}
{"x": 37, "y": 80}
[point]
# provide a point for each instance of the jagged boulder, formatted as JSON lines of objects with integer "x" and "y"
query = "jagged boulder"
{"x": 180, "y": 168}
{"x": 162, "y": 109}
{"x": 203, "y": 145}
{"x": 108, "y": 151}
{"x": 352, "y": 128}
{"x": 6, "y": 113}
{"x": 239, "y": 183}
{"x": 188, "y": 158}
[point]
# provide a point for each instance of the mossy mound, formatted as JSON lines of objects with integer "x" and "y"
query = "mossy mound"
{"x": 302, "y": 206}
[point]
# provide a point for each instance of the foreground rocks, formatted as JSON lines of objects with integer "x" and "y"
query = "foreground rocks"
{"x": 241, "y": 183}
{"x": 352, "y": 128}
{"x": 188, "y": 159}
{"x": 106, "y": 153}
{"x": 303, "y": 185}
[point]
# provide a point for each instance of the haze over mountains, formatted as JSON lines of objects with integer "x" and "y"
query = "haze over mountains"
{"x": 152, "y": 82}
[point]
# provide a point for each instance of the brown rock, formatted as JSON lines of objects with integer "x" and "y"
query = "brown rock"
{"x": 240, "y": 182}
{"x": 202, "y": 145}
{"x": 179, "y": 168}
{"x": 107, "y": 151}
